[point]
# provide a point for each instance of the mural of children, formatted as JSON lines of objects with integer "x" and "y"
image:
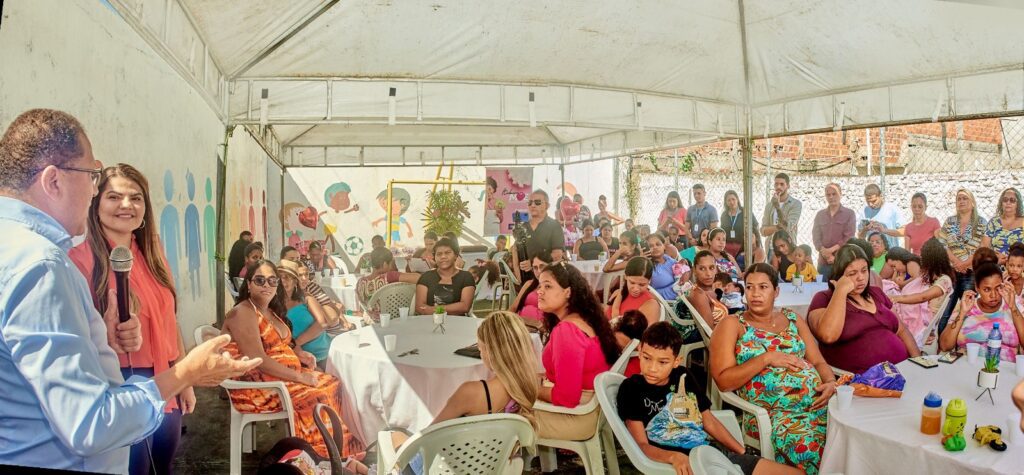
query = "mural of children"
{"x": 252, "y": 214}
{"x": 338, "y": 203}
{"x": 170, "y": 228}
{"x": 193, "y": 237}
{"x": 295, "y": 219}
{"x": 210, "y": 233}
{"x": 400, "y": 201}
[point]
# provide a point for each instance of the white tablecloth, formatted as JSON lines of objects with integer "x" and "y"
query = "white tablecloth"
{"x": 343, "y": 289}
{"x": 883, "y": 435}
{"x": 381, "y": 390}
{"x": 592, "y": 271}
{"x": 798, "y": 302}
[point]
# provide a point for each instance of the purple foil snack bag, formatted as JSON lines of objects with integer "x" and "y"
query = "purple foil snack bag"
{"x": 883, "y": 375}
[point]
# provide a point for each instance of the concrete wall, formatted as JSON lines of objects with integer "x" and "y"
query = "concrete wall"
{"x": 81, "y": 57}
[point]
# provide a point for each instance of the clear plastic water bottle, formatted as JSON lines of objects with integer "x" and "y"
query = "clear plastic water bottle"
{"x": 995, "y": 345}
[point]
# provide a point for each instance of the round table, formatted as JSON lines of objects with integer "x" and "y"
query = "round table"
{"x": 883, "y": 435}
{"x": 343, "y": 289}
{"x": 382, "y": 390}
{"x": 592, "y": 271}
{"x": 798, "y": 301}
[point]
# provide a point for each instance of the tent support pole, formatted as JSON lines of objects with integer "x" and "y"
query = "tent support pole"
{"x": 747, "y": 142}
{"x": 387, "y": 227}
{"x": 221, "y": 258}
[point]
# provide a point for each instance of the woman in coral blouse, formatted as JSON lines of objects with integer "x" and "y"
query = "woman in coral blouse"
{"x": 580, "y": 346}
{"x": 635, "y": 295}
{"x": 121, "y": 215}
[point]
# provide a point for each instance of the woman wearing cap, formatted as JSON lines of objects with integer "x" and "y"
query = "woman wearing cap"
{"x": 310, "y": 332}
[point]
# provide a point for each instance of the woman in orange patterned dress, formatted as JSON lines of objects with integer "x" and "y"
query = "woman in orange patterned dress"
{"x": 258, "y": 329}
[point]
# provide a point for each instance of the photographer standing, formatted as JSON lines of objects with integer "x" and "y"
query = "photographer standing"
{"x": 540, "y": 234}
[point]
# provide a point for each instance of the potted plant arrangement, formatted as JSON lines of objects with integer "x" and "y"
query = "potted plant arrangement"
{"x": 439, "y": 316}
{"x": 445, "y": 212}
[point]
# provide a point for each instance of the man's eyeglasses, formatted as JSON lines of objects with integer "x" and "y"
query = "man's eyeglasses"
{"x": 265, "y": 281}
{"x": 94, "y": 173}
{"x": 536, "y": 202}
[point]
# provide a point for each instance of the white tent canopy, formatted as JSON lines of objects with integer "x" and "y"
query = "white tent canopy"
{"x": 409, "y": 82}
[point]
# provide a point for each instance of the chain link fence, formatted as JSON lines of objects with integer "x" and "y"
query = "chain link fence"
{"x": 984, "y": 156}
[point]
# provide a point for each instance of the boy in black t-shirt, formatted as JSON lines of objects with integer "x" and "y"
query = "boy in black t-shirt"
{"x": 643, "y": 395}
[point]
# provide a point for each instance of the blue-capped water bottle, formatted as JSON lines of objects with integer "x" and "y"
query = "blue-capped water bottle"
{"x": 995, "y": 345}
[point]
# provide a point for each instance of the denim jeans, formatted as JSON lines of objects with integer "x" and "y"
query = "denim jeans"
{"x": 825, "y": 271}
{"x": 155, "y": 454}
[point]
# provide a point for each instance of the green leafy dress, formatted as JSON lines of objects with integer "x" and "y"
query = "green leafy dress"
{"x": 798, "y": 433}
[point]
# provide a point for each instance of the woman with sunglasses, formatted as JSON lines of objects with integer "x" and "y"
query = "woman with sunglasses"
{"x": 1008, "y": 227}
{"x": 526, "y": 302}
{"x": 258, "y": 328}
{"x": 121, "y": 215}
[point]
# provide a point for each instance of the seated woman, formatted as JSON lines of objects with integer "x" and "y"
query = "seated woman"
{"x": 382, "y": 263}
{"x": 310, "y": 331}
{"x": 445, "y": 285}
{"x": 854, "y": 322}
{"x": 770, "y": 358}
{"x": 317, "y": 299}
{"x": 635, "y": 294}
{"x": 690, "y": 253}
{"x": 1015, "y": 270}
{"x": 879, "y": 249}
{"x": 588, "y": 247}
{"x": 629, "y": 247}
{"x": 507, "y": 352}
{"x": 726, "y": 263}
{"x": 605, "y": 227}
{"x": 486, "y": 276}
{"x": 259, "y": 329}
{"x": 580, "y": 346}
{"x": 663, "y": 278}
{"x": 317, "y": 259}
{"x": 702, "y": 297}
{"x": 782, "y": 247}
{"x": 918, "y": 302}
{"x": 253, "y": 253}
{"x": 525, "y": 303}
{"x": 874, "y": 279}
{"x": 901, "y": 266}
{"x": 990, "y": 303}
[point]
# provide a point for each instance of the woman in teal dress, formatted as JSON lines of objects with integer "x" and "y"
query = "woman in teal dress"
{"x": 770, "y": 358}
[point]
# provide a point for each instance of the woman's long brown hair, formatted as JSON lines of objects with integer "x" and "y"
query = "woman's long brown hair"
{"x": 145, "y": 237}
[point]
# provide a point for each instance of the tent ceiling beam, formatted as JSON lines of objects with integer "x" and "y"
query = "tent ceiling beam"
{"x": 301, "y": 24}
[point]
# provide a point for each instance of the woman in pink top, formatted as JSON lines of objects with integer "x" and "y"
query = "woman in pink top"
{"x": 580, "y": 346}
{"x": 921, "y": 226}
{"x": 526, "y": 302}
{"x": 674, "y": 214}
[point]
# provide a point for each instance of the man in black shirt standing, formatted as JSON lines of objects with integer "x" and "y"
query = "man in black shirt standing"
{"x": 542, "y": 233}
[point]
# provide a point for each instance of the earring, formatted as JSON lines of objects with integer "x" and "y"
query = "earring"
{"x": 143, "y": 223}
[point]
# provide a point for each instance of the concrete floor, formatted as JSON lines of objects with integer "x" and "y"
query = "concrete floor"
{"x": 204, "y": 446}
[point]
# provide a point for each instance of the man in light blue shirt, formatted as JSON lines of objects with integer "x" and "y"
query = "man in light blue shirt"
{"x": 64, "y": 403}
{"x": 700, "y": 215}
{"x": 878, "y": 214}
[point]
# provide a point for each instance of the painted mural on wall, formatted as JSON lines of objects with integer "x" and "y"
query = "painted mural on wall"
{"x": 188, "y": 237}
{"x": 506, "y": 195}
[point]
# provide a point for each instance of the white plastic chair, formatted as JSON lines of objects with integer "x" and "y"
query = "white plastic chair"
{"x": 609, "y": 279}
{"x": 606, "y": 387}
{"x": 764, "y": 421}
{"x": 933, "y": 347}
{"x": 241, "y": 429}
{"x": 232, "y": 289}
{"x": 391, "y": 297}
{"x": 466, "y": 445}
{"x": 589, "y": 450}
{"x": 671, "y": 312}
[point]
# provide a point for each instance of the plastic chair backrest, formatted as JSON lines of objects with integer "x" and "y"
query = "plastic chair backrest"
{"x": 391, "y": 297}
{"x": 932, "y": 325}
{"x": 620, "y": 364}
{"x": 468, "y": 445}
{"x": 609, "y": 279}
{"x": 228, "y": 284}
{"x": 508, "y": 272}
{"x": 499, "y": 256}
{"x": 482, "y": 287}
{"x": 203, "y": 333}
{"x": 702, "y": 326}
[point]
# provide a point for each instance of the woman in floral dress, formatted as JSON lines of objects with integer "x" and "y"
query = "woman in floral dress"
{"x": 258, "y": 329}
{"x": 770, "y": 359}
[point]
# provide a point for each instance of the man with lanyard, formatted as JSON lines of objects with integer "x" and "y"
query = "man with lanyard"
{"x": 542, "y": 233}
{"x": 700, "y": 215}
{"x": 782, "y": 213}
{"x": 878, "y": 214}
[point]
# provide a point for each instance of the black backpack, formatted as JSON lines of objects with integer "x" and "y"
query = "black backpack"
{"x": 270, "y": 464}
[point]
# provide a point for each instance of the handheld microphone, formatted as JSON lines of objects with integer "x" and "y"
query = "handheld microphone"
{"x": 121, "y": 263}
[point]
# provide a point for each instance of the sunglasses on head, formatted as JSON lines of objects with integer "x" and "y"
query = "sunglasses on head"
{"x": 537, "y": 202}
{"x": 265, "y": 281}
